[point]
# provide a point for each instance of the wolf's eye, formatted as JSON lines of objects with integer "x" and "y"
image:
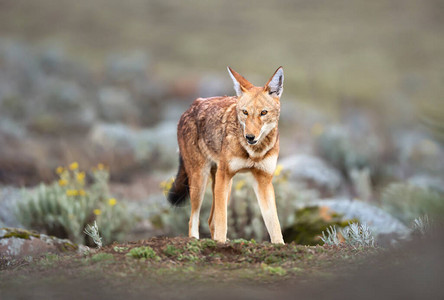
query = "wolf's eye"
{"x": 264, "y": 112}
{"x": 245, "y": 112}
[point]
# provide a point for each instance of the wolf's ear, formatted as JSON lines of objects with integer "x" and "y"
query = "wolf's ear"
{"x": 275, "y": 84}
{"x": 240, "y": 83}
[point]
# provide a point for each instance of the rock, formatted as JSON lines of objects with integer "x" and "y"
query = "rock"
{"x": 309, "y": 222}
{"x": 419, "y": 153}
{"x": 386, "y": 228}
{"x": 122, "y": 68}
{"x": 9, "y": 197}
{"x": 156, "y": 146}
{"x": 313, "y": 170}
{"x": 12, "y": 129}
{"x": 15, "y": 242}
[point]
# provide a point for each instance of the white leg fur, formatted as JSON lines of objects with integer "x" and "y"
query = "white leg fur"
{"x": 269, "y": 212}
{"x": 194, "y": 218}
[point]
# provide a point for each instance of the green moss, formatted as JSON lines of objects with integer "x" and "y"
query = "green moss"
{"x": 120, "y": 249}
{"x": 67, "y": 247}
{"x": 144, "y": 252}
{"x": 102, "y": 257}
{"x": 194, "y": 247}
{"x": 170, "y": 250}
{"x": 273, "y": 270}
{"x": 208, "y": 243}
{"x": 189, "y": 257}
{"x": 309, "y": 224}
{"x": 20, "y": 233}
{"x": 272, "y": 259}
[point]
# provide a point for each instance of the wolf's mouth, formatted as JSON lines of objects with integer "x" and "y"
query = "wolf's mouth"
{"x": 252, "y": 142}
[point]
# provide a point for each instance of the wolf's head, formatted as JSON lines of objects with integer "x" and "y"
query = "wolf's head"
{"x": 258, "y": 108}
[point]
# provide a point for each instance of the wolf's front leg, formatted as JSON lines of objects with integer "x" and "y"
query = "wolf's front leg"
{"x": 221, "y": 192}
{"x": 265, "y": 195}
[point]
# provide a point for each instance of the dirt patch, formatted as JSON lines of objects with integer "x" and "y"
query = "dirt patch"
{"x": 183, "y": 268}
{"x": 164, "y": 259}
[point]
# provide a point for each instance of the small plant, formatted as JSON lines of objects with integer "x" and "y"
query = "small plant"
{"x": 93, "y": 232}
{"x": 422, "y": 226}
{"x": 144, "y": 252}
{"x": 355, "y": 235}
{"x": 331, "y": 238}
{"x": 120, "y": 249}
{"x": 208, "y": 243}
{"x": 358, "y": 235}
{"x": 194, "y": 247}
{"x": 170, "y": 250}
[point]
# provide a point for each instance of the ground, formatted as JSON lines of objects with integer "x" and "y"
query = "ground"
{"x": 189, "y": 264}
{"x": 183, "y": 268}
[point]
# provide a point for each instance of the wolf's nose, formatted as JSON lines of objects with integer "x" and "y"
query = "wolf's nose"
{"x": 250, "y": 137}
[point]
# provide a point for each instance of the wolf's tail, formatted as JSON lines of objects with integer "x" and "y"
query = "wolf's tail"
{"x": 180, "y": 190}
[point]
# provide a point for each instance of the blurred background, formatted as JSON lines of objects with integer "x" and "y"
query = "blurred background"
{"x": 91, "y": 93}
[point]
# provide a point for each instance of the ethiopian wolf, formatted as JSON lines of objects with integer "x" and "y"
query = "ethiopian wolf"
{"x": 221, "y": 136}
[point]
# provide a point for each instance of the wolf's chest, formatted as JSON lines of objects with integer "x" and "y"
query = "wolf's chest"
{"x": 268, "y": 164}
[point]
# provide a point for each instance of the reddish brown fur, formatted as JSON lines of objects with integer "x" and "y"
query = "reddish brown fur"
{"x": 212, "y": 141}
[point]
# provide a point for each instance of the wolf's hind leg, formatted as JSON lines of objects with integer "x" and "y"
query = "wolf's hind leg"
{"x": 222, "y": 191}
{"x": 198, "y": 184}
{"x": 213, "y": 184}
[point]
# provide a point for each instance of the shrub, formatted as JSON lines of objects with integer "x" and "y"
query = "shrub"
{"x": 424, "y": 227}
{"x": 65, "y": 207}
{"x": 355, "y": 235}
{"x": 408, "y": 202}
{"x": 358, "y": 235}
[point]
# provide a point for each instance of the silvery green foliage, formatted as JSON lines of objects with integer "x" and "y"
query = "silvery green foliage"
{"x": 93, "y": 232}
{"x": 422, "y": 225}
{"x": 137, "y": 145}
{"x": 313, "y": 169}
{"x": 49, "y": 209}
{"x": 358, "y": 235}
{"x": 408, "y": 202}
{"x": 331, "y": 238}
{"x": 347, "y": 151}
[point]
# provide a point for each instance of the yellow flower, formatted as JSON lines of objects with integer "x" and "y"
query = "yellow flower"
{"x": 278, "y": 170}
{"x": 112, "y": 201}
{"x": 239, "y": 185}
{"x": 74, "y": 166}
{"x": 167, "y": 185}
{"x": 81, "y": 177}
{"x": 97, "y": 212}
{"x": 72, "y": 193}
{"x": 63, "y": 182}
{"x": 60, "y": 170}
{"x": 82, "y": 193}
{"x": 100, "y": 167}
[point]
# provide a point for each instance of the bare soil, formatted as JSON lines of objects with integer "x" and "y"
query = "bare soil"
{"x": 185, "y": 263}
